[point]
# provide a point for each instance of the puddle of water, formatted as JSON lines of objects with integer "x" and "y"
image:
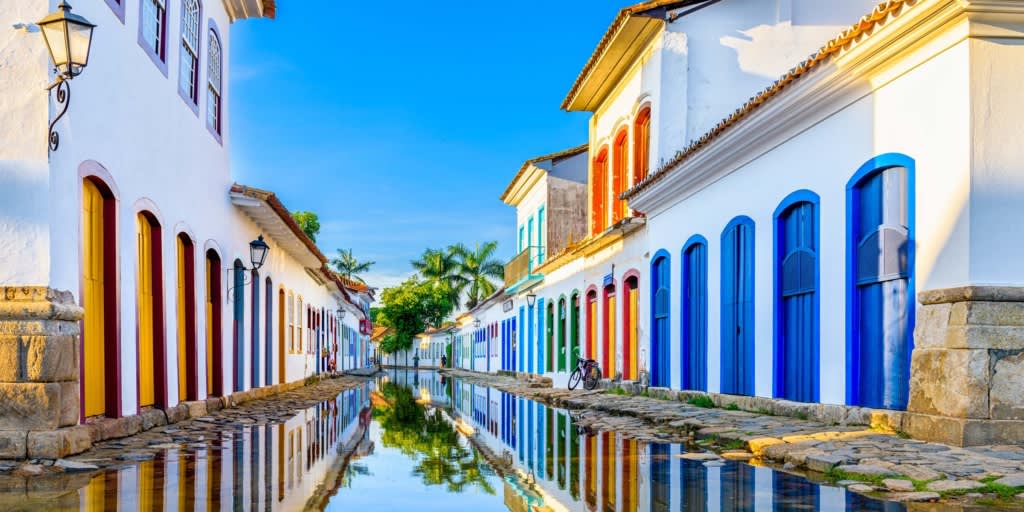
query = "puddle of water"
{"x": 418, "y": 441}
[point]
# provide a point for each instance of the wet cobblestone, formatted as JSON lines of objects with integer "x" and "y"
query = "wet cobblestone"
{"x": 926, "y": 471}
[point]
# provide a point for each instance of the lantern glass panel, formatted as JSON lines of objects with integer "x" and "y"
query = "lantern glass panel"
{"x": 54, "y": 34}
{"x": 79, "y": 37}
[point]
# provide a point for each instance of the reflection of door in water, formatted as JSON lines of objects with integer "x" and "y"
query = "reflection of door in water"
{"x": 629, "y": 473}
{"x": 608, "y": 486}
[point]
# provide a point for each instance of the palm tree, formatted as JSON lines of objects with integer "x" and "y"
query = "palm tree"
{"x": 478, "y": 267}
{"x": 441, "y": 267}
{"x": 348, "y": 266}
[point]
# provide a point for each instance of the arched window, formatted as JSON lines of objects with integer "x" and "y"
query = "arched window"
{"x": 291, "y": 322}
{"x": 880, "y": 282}
{"x": 620, "y": 173}
{"x": 641, "y": 144}
{"x": 188, "y": 72}
{"x": 153, "y": 28}
{"x": 695, "y": 314}
{"x": 737, "y": 281}
{"x": 661, "y": 342}
{"x": 796, "y": 297}
{"x": 214, "y": 91}
{"x": 150, "y": 329}
{"x": 598, "y": 193}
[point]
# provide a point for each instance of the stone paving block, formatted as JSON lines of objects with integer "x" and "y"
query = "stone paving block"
{"x": 824, "y": 463}
{"x": 1015, "y": 480}
{"x": 916, "y": 472}
{"x": 866, "y": 470}
{"x": 898, "y": 485}
{"x": 914, "y": 496}
{"x": 954, "y": 485}
{"x": 757, "y": 446}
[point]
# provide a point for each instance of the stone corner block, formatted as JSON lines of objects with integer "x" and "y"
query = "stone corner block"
{"x": 54, "y": 444}
{"x": 952, "y": 383}
{"x": 29, "y": 405}
{"x": 13, "y": 444}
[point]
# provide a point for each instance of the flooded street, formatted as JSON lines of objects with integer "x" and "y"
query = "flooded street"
{"x": 419, "y": 441}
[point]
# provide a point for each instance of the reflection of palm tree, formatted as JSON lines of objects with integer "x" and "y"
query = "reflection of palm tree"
{"x": 429, "y": 438}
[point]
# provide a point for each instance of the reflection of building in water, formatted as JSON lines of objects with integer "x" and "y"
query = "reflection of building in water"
{"x": 428, "y": 386}
{"x": 265, "y": 467}
{"x": 559, "y": 469}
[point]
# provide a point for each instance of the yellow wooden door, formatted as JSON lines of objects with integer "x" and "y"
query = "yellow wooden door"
{"x": 210, "y": 276}
{"x": 611, "y": 341}
{"x": 182, "y": 325}
{"x": 634, "y": 329}
{"x": 94, "y": 284}
{"x": 145, "y": 301}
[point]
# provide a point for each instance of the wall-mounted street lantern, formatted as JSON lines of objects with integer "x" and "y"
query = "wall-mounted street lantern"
{"x": 476, "y": 323}
{"x": 258, "y": 250}
{"x": 531, "y": 299}
{"x": 68, "y": 38}
{"x": 341, "y": 314}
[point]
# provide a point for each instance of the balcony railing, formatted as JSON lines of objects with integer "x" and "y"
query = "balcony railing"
{"x": 521, "y": 266}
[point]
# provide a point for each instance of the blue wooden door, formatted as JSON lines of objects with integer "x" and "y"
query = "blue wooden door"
{"x": 798, "y": 329}
{"x": 695, "y": 317}
{"x": 881, "y": 271}
{"x": 737, "y": 353}
{"x": 660, "y": 343}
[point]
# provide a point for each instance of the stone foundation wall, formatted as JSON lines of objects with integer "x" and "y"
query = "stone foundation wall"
{"x": 967, "y": 368}
{"x": 39, "y": 333}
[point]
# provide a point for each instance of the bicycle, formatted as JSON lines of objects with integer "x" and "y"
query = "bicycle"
{"x": 587, "y": 371}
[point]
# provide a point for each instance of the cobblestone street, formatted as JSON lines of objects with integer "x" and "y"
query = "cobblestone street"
{"x": 44, "y": 480}
{"x": 885, "y": 465}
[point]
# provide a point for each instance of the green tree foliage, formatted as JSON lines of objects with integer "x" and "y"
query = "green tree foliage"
{"x": 348, "y": 266}
{"x": 440, "y": 267}
{"x": 409, "y": 309}
{"x": 309, "y": 222}
{"x": 427, "y": 437}
{"x": 478, "y": 269}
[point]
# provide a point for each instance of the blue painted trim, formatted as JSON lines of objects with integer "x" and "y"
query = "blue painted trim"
{"x": 747, "y": 364}
{"x": 865, "y": 171}
{"x": 658, "y": 256}
{"x": 778, "y": 378}
{"x": 685, "y": 342}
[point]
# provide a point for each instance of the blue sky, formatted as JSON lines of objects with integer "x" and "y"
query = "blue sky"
{"x": 401, "y": 123}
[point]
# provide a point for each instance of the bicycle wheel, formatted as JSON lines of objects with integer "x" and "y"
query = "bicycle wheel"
{"x": 593, "y": 376}
{"x": 574, "y": 378}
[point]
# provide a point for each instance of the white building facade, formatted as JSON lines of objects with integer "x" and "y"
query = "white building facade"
{"x": 130, "y": 242}
{"x": 836, "y": 235}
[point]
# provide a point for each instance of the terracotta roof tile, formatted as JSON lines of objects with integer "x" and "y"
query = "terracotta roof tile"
{"x": 620, "y": 18}
{"x": 834, "y": 47}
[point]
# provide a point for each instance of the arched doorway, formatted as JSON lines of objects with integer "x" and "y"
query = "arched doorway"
{"x": 268, "y": 374}
{"x": 550, "y": 337}
{"x": 661, "y": 343}
{"x": 281, "y": 335}
{"x": 609, "y": 331}
{"x": 630, "y": 327}
{"x": 737, "y": 351}
{"x": 880, "y": 282}
{"x": 254, "y": 320}
{"x": 152, "y": 365}
{"x": 561, "y": 334}
{"x": 592, "y": 325}
{"x": 237, "y": 295}
{"x": 796, "y": 298}
{"x": 101, "y": 372}
{"x": 214, "y": 326}
{"x": 695, "y": 315}
{"x": 574, "y": 330}
{"x": 188, "y": 378}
